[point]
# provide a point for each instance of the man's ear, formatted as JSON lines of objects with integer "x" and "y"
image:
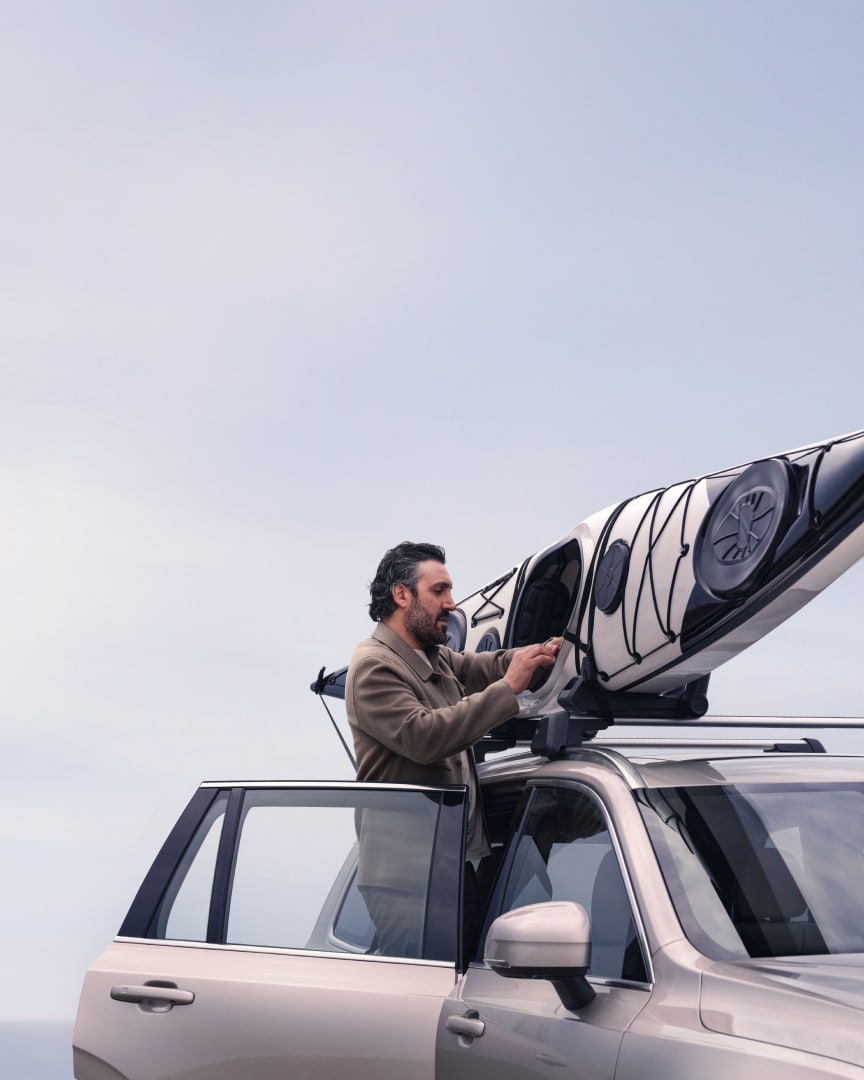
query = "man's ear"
{"x": 401, "y": 594}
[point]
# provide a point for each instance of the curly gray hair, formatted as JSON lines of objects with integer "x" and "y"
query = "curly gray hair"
{"x": 398, "y": 565}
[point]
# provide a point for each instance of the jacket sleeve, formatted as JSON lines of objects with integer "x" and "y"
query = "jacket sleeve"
{"x": 388, "y": 708}
{"x": 477, "y": 670}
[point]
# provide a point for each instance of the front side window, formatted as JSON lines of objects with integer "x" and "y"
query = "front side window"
{"x": 763, "y": 870}
{"x": 565, "y": 852}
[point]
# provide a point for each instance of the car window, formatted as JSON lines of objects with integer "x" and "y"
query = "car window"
{"x": 287, "y": 859}
{"x": 319, "y": 869}
{"x": 565, "y": 852}
{"x": 352, "y": 927}
{"x": 184, "y": 912}
{"x": 763, "y": 870}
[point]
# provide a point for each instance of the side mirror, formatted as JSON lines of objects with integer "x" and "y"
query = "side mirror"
{"x": 545, "y": 941}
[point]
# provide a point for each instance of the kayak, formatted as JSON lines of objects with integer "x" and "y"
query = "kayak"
{"x": 655, "y": 592}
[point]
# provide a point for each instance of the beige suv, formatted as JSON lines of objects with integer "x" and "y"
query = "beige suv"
{"x": 654, "y": 911}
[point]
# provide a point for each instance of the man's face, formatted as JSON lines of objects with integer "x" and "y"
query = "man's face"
{"x": 426, "y": 617}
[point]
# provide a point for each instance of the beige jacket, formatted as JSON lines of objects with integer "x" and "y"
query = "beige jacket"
{"x": 410, "y": 720}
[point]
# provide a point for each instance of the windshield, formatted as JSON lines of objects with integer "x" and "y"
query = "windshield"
{"x": 763, "y": 870}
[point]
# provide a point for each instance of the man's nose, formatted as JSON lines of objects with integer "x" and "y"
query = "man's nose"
{"x": 450, "y": 603}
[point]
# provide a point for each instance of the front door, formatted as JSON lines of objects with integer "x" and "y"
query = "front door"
{"x": 517, "y": 1029}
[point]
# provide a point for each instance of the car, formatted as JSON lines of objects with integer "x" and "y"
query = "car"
{"x": 653, "y": 906}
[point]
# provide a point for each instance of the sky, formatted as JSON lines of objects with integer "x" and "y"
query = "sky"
{"x": 282, "y": 284}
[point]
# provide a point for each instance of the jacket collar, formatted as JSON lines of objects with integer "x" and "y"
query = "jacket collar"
{"x": 398, "y": 645}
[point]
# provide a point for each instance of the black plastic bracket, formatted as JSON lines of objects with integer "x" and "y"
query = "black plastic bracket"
{"x": 330, "y": 684}
{"x": 557, "y": 731}
{"x": 586, "y": 708}
{"x": 584, "y": 697}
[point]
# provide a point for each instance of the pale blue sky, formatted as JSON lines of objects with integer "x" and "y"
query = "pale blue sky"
{"x": 287, "y": 283}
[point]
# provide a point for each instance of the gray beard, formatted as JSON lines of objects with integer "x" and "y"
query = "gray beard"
{"x": 424, "y": 628}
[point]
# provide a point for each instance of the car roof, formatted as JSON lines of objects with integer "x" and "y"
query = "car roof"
{"x": 771, "y": 768}
{"x": 653, "y": 761}
{"x": 667, "y": 763}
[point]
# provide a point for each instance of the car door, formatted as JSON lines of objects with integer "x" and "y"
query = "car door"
{"x": 250, "y": 952}
{"x": 514, "y": 1029}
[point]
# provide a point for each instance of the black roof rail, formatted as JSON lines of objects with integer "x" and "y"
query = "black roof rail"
{"x": 805, "y": 745}
{"x": 701, "y": 746}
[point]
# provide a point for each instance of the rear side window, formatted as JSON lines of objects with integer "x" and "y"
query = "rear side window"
{"x": 185, "y": 909}
{"x": 317, "y": 869}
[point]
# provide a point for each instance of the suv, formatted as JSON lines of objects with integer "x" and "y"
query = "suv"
{"x": 656, "y": 909}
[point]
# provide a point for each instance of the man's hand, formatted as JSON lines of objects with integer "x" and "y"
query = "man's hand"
{"x": 523, "y": 667}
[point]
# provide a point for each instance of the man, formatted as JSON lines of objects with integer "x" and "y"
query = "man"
{"x": 416, "y": 707}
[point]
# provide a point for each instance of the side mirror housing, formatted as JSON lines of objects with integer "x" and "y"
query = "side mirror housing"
{"x": 545, "y": 941}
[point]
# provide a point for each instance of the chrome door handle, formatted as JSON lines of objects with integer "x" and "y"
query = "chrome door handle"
{"x": 469, "y": 1025}
{"x": 168, "y": 995}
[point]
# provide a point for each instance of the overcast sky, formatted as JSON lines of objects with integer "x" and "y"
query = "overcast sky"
{"x": 286, "y": 283}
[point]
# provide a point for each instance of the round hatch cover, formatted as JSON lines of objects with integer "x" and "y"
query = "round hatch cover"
{"x": 612, "y": 576}
{"x": 744, "y": 527}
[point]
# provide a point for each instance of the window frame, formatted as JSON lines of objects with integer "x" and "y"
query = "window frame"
{"x": 443, "y": 921}
{"x": 496, "y": 906}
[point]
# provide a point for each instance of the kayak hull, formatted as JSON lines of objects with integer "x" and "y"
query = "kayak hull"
{"x": 659, "y": 590}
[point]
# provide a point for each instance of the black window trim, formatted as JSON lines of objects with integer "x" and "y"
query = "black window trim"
{"x": 223, "y": 875}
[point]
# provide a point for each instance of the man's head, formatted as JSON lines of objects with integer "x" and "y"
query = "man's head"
{"x": 412, "y": 592}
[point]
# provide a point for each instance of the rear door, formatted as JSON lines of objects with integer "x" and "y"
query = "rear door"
{"x": 250, "y": 951}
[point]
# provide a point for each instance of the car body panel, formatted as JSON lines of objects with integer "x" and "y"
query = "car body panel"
{"x": 670, "y": 1039}
{"x": 824, "y": 993}
{"x": 261, "y": 1015}
{"x": 528, "y": 1030}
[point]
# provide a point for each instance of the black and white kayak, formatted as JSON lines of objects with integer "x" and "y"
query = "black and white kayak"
{"x": 654, "y": 593}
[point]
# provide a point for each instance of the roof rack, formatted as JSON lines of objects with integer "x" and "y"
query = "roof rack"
{"x": 587, "y": 709}
{"x": 551, "y": 735}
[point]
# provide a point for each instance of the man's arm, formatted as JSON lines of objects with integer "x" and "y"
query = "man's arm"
{"x": 386, "y": 707}
{"x": 517, "y": 667}
{"x": 389, "y": 708}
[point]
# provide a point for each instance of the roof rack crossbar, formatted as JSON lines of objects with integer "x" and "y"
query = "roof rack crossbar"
{"x": 551, "y": 735}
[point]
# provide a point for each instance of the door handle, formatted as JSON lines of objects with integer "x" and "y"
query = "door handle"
{"x": 158, "y": 992}
{"x": 470, "y": 1025}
